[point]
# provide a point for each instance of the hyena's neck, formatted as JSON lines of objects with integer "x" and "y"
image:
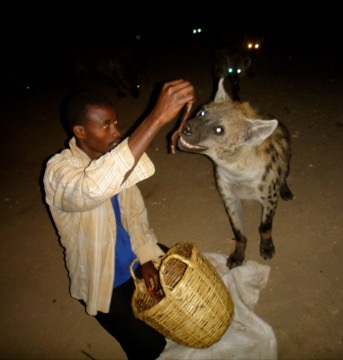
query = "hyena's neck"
{"x": 237, "y": 160}
{"x": 239, "y": 172}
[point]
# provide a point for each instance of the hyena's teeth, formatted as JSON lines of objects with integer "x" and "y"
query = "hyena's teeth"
{"x": 187, "y": 145}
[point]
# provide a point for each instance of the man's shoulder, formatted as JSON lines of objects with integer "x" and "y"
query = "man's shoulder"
{"x": 61, "y": 155}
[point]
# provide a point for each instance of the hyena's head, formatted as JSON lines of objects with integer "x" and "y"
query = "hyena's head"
{"x": 223, "y": 127}
{"x": 231, "y": 64}
{"x": 237, "y": 65}
{"x": 252, "y": 43}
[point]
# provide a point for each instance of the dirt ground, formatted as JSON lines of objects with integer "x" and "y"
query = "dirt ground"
{"x": 304, "y": 294}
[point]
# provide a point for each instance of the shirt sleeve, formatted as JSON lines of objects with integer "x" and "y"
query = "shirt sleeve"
{"x": 135, "y": 220}
{"x": 73, "y": 182}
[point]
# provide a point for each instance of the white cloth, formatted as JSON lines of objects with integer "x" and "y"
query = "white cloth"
{"x": 248, "y": 336}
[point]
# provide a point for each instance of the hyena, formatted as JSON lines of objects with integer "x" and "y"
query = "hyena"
{"x": 231, "y": 65}
{"x": 252, "y": 161}
{"x": 234, "y": 58}
{"x": 251, "y": 46}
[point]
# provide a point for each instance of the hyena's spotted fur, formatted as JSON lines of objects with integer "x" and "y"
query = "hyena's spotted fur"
{"x": 252, "y": 160}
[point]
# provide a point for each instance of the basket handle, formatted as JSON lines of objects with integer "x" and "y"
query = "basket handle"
{"x": 190, "y": 263}
{"x": 132, "y": 271}
{"x": 165, "y": 287}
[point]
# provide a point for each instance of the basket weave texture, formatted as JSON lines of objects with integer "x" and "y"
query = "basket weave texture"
{"x": 196, "y": 309}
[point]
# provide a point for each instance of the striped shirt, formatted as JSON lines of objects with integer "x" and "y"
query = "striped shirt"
{"x": 78, "y": 191}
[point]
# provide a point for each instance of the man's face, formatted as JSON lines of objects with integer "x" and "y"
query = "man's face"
{"x": 100, "y": 133}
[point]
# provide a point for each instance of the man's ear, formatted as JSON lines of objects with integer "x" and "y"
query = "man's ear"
{"x": 79, "y": 131}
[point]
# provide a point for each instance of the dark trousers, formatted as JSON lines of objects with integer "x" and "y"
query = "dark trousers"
{"x": 138, "y": 340}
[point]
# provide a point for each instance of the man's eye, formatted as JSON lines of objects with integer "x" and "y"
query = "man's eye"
{"x": 108, "y": 123}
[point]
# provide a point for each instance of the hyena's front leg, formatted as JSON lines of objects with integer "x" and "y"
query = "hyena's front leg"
{"x": 267, "y": 248}
{"x": 234, "y": 210}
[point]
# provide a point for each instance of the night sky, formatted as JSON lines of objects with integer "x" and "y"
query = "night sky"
{"x": 58, "y": 25}
{"x": 35, "y": 38}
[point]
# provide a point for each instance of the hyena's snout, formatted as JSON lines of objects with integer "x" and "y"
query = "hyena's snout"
{"x": 194, "y": 132}
{"x": 187, "y": 130}
{"x": 195, "y": 129}
{"x": 192, "y": 137}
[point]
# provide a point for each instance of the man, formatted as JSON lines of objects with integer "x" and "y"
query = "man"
{"x": 100, "y": 214}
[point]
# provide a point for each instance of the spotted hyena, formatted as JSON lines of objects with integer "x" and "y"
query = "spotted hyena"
{"x": 232, "y": 66}
{"x": 234, "y": 58}
{"x": 252, "y": 160}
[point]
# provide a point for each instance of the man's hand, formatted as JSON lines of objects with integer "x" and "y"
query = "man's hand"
{"x": 152, "y": 281}
{"x": 173, "y": 96}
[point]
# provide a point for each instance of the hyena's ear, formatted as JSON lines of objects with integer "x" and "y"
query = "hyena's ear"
{"x": 221, "y": 94}
{"x": 247, "y": 62}
{"x": 259, "y": 130}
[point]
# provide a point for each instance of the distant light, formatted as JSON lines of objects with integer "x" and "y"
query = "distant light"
{"x": 257, "y": 46}
{"x": 230, "y": 70}
{"x": 138, "y": 37}
{"x": 197, "y": 31}
{"x": 249, "y": 45}
{"x": 239, "y": 71}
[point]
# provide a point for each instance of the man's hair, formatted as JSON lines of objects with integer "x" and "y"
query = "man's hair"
{"x": 73, "y": 109}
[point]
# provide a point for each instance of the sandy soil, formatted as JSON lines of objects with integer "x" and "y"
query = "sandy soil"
{"x": 303, "y": 298}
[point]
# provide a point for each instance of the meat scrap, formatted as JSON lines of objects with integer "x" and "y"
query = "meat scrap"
{"x": 176, "y": 134}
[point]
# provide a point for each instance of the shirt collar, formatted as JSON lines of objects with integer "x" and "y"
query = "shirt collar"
{"x": 77, "y": 152}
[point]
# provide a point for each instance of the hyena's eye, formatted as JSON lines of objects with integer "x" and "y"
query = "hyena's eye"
{"x": 218, "y": 130}
{"x": 202, "y": 113}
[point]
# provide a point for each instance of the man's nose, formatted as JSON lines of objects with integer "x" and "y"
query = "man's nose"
{"x": 115, "y": 131}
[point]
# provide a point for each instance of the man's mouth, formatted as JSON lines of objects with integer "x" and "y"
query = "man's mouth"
{"x": 114, "y": 143}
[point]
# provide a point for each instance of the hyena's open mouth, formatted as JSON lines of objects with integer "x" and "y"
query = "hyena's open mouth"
{"x": 185, "y": 146}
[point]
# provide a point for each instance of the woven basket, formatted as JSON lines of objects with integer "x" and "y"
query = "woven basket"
{"x": 196, "y": 309}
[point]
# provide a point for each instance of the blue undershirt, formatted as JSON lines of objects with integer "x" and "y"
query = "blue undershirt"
{"x": 123, "y": 251}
